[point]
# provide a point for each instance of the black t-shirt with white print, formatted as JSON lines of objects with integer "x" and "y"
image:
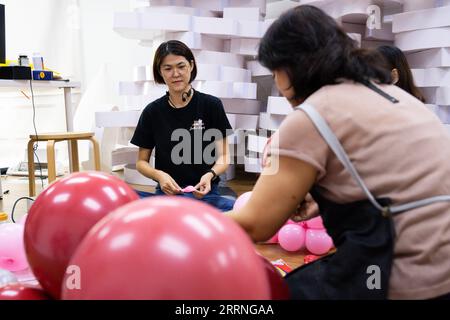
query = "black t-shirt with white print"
{"x": 183, "y": 138}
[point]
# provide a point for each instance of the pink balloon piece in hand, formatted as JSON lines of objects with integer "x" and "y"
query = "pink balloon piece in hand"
{"x": 189, "y": 189}
{"x": 315, "y": 223}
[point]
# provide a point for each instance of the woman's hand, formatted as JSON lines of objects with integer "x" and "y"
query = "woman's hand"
{"x": 168, "y": 184}
{"x": 306, "y": 210}
{"x": 204, "y": 186}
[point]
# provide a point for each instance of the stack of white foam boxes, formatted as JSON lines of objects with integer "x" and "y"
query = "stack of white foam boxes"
{"x": 423, "y": 32}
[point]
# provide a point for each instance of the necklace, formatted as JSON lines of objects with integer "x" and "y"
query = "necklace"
{"x": 185, "y": 100}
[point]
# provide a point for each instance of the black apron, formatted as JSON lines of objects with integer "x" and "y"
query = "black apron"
{"x": 363, "y": 234}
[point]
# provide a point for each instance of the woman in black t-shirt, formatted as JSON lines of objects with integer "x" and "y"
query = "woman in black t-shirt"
{"x": 188, "y": 129}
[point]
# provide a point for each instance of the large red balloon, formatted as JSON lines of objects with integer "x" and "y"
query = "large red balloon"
{"x": 62, "y": 215}
{"x": 278, "y": 287}
{"x": 167, "y": 248}
{"x": 21, "y": 292}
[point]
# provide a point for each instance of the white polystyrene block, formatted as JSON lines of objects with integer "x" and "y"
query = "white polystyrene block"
{"x": 443, "y": 112}
{"x": 133, "y": 176}
{"x": 235, "y": 74}
{"x": 256, "y": 143}
{"x": 124, "y": 155}
{"x": 278, "y": 105}
{"x": 356, "y": 37}
{"x": 143, "y": 73}
{"x": 240, "y": 13}
{"x": 209, "y": 72}
{"x": 196, "y": 40}
{"x": 423, "y": 19}
{"x": 423, "y": 39}
{"x": 412, "y": 5}
{"x": 153, "y": 89}
{"x": 250, "y": 29}
{"x": 384, "y": 34}
{"x": 430, "y": 58}
{"x": 246, "y": 121}
{"x": 257, "y": 69}
{"x": 252, "y": 165}
{"x": 244, "y": 46}
{"x": 131, "y": 88}
{"x": 270, "y": 121}
{"x": 110, "y": 119}
{"x": 261, "y": 4}
{"x": 191, "y": 11}
{"x": 276, "y": 8}
{"x": 431, "y": 77}
{"x": 168, "y": 22}
{"x": 139, "y": 102}
{"x": 242, "y": 106}
{"x": 212, "y": 5}
{"x": 223, "y": 58}
{"x": 178, "y": 3}
{"x": 215, "y": 26}
{"x": 219, "y": 89}
{"x": 437, "y": 95}
{"x": 244, "y": 90}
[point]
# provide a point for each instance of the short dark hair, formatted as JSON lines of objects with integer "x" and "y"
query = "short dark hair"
{"x": 174, "y": 47}
{"x": 396, "y": 60}
{"x": 314, "y": 51}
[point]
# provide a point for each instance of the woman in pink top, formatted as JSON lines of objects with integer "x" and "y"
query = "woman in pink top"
{"x": 373, "y": 157}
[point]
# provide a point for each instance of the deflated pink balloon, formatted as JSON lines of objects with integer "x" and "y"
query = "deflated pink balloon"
{"x": 189, "y": 189}
{"x": 315, "y": 223}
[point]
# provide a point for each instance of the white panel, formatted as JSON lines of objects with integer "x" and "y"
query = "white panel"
{"x": 196, "y": 40}
{"x": 215, "y": 57}
{"x": 246, "y": 121}
{"x": 250, "y": 29}
{"x": 423, "y": 39}
{"x": 244, "y": 46}
{"x": 244, "y": 90}
{"x": 219, "y": 89}
{"x": 431, "y": 77}
{"x": 256, "y": 143}
{"x": 240, "y": 13}
{"x": 216, "y": 26}
{"x": 430, "y": 58}
{"x": 261, "y": 4}
{"x": 124, "y": 155}
{"x": 257, "y": 69}
{"x": 143, "y": 73}
{"x": 252, "y": 165}
{"x": 117, "y": 118}
{"x": 235, "y": 74}
{"x": 131, "y": 88}
{"x": 242, "y": 106}
{"x": 439, "y": 96}
{"x": 278, "y": 105}
{"x": 208, "y": 72}
{"x": 270, "y": 121}
{"x": 191, "y": 11}
{"x": 424, "y": 19}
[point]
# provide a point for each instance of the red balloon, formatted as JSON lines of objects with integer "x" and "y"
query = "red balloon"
{"x": 62, "y": 215}
{"x": 167, "y": 248}
{"x": 20, "y": 292}
{"x": 278, "y": 287}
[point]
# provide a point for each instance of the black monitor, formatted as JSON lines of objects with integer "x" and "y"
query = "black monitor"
{"x": 2, "y": 34}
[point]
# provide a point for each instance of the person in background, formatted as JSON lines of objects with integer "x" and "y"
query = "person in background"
{"x": 352, "y": 141}
{"x": 400, "y": 70}
{"x": 187, "y": 128}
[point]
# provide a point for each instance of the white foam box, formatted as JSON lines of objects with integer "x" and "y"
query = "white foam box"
{"x": 143, "y": 73}
{"x": 241, "y": 13}
{"x": 235, "y": 74}
{"x": 250, "y": 29}
{"x": 174, "y": 9}
{"x": 242, "y": 106}
{"x": 212, "y": 5}
{"x": 109, "y": 119}
{"x": 276, "y": 8}
{"x": 384, "y": 34}
{"x": 246, "y": 121}
{"x": 252, "y": 164}
{"x": 244, "y": 90}
{"x": 257, "y": 69}
{"x": 215, "y": 57}
{"x": 215, "y": 26}
{"x": 423, "y": 39}
{"x": 139, "y": 102}
{"x": 439, "y": 95}
{"x": 133, "y": 176}
{"x": 244, "y": 46}
{"x": 431, "y": 77}
{"x": 196, "y": 40}
{"x": 411, "y": 5}
{"x": 422, "y": 19}
{"x": 168, "y": 22}
{"x": 278, "y": 105}
{"x": 153, "y": 89}
{"x": 443, "y": 112}
{"x": 256, "y": 143}
{"x": 261, "y": 4}
{"x": 432, "y": 58}
{"x": 131, "y": 88}
{"x": 124, "y": 155}
{"x": 210, "y": 72}
{"x": 270, "y": 121}
{"x": 219, "y": 89}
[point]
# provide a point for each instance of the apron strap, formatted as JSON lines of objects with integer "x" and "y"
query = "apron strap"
{"x": 340, "y": 153}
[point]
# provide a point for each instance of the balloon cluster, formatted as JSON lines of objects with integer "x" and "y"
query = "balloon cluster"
{"x": 294, "y": 236}
{"x": 88, "y": 236}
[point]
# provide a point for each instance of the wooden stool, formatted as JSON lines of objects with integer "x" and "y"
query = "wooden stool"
{"x": 51, "y": 139}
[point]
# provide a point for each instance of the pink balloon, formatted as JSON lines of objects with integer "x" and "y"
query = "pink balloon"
{"x": 23, "y": 220}
{"x": 274, "y": 239}
{"x": 291, "y": 237}
{"x": 12, "y": 250}
{"x": 315, "y": 223}
{"x": 242, "y": 200}
{"x": 290, "y": 222}
{"x": 318, "y": 242}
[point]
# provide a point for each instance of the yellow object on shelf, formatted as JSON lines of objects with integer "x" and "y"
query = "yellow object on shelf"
{"x": 3, "y": 216}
